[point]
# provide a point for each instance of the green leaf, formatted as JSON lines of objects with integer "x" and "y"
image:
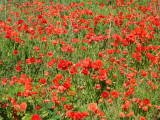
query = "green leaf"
{"x": 1, "y": 118}
{"x": 73, "y": 88}
{"x": 27, "y": 117}
{"x": 44, "y": 114}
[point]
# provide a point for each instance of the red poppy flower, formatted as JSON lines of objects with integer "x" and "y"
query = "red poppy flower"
{"x": 42, "y": 81}
{"x": 15, "y": 52}
{"x": 36, "y": 117}
{"x": 92, "y": 107}
{"x": 63, "y": 64}
{"x": 76, "y": 115}
{"x": 23, "y": 106}
{"x": 97, "y": 65}
{"x": 115, "y": 94}
{"x": 105, "y": 94}
{"x": 18, "y": 68}
{"x": 142, "y": 118}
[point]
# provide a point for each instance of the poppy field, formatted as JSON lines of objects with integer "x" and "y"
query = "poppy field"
{"x": 79, "y": 60}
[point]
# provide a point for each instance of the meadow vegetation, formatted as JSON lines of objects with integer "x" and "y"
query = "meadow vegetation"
{"x": 79, "y": 60}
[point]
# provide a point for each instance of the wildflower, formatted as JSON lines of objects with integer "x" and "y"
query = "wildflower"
{"x": 137, "y": 56}
{"x": 63, "y": 64}
{"x": 85, "y": 72}
{"x": 23, "y": 106}
{"x": 105, "y": 94}
{"x": 122, "y": 115}
{"x": 51, "y": 63}
{"x": 67, "y": 48}
{"x": 115, "y": 94}
{"x": 68, "y": 107}
{"x": 76, "y": 115}
{"x": 15, "y": 52}
{"x": 42, "y": 81}
{"x": 130, "y": 114}
{"x": 126, "y": 105}
{"x": 31, "y": 60}
{"x": 73, "y": 70}
{"x": 36, "y": 117}
{"x": 92, "y": 107}
{"x": 18, "y": 68}
{"x": 98, "y": 86}
{"x": 97, "y": 65}
{"x": 142, "y": 118}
